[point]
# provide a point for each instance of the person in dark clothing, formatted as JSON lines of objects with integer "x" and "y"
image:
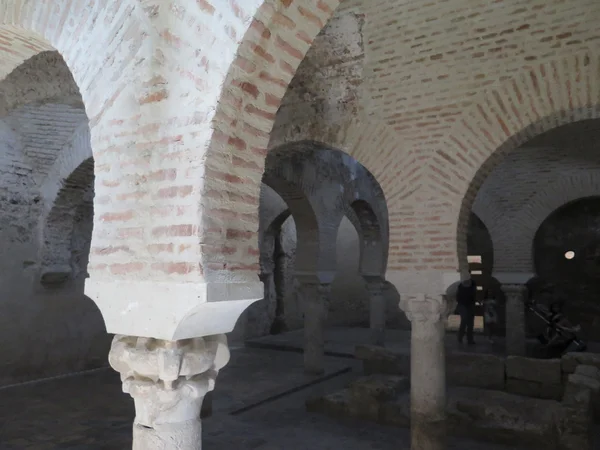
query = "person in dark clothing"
{"x": 465, "y": 297}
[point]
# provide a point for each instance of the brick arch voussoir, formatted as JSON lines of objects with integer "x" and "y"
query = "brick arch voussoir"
{"x": 509, "y": 114}
{"x": 273, "y": 47}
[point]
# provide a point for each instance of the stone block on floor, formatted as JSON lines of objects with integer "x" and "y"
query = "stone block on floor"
{"x": 396, "y": 412}
{"x": 576, "y": 422}
{"x": 378, "y": 360}
{"x": 378, "y": 387}
{"x": 343, "y": 404}
{"x": 544, "y": 371}
{"x": 570, "y": 361}
{"x": 503, "y": 418}
{"x": 535, "y": 389}
{"x": 363, "y": 399}
{"x": 475, "y": 370}
{"x": 578, "y": 386}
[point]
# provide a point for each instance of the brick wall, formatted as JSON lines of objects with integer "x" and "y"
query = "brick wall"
{"x": 529, "y": 184}
{"x": 443, "y": 87}
{"x": 460, "y": 85}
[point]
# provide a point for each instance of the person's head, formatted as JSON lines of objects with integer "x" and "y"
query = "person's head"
{"x": 556, "y": 307}
{"x": 467, "y": 282}
{"x": 489, "y": 294}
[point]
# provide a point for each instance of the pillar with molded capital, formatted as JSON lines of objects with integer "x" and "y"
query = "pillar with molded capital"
{"x": 428, "y": 315}
{"x": 377, "y": 308}
{"x": 168, "y": 381}
{"x": 516, "y": 334}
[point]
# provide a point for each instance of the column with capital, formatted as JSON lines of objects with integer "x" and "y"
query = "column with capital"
{"x": 428, "y": 315}
{"x": 168, "y": 381}
{"x": 377, "y": 308}
{"x": 516, "y": 335}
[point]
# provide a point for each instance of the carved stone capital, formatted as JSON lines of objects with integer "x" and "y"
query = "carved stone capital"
{"x": 168, "y": 379}
{"x": 425, "y": 308}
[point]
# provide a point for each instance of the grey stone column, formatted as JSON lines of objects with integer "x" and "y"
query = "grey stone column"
{"x": 377, "y": 309}
{"x": 315, "y": 299}
{"x": 427, "y": 314}
{"x": 516, "y": 336}
{"x": 168, "y": 381}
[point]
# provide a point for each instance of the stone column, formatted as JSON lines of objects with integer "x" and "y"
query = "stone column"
{"x": 168, "y": 381}
{"x": 427, "y": 314}
{"x": 377, "y": 309}
{"x": 315, "y": 298}
{"x": 516, "y": 336}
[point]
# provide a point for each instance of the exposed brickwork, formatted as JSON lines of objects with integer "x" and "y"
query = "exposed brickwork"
{"x": 273, "y": 47}
{"x": 433, "y": 91}
{"x": 530, "y": 183}
{"x": 454, "y": 83}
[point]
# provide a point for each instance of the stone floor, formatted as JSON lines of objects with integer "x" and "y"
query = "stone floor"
{"x": 259, "y": 403}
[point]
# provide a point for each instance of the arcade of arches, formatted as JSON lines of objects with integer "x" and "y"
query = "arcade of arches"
{"x": 186, "y": 182}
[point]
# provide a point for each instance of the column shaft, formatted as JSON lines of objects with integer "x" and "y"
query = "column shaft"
{"x": 377, "y": 310}
{"x": 316, "y": 307}
{"x": 428, "y": 316}
{"x": 516, "y": 336}
{"x": 428, "y": 385}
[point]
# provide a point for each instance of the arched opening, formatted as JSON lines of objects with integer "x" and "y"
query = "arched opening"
{"x": 349, "y": 304}
{"x": 49, "y": 327}
{"x": 349, "y": 237}
{"x": 572, "y": 230}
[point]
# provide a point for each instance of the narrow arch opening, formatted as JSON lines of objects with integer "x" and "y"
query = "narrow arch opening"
{"x": 566, "y": 251}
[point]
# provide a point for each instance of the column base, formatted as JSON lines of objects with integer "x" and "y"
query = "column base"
{"x": 179, "y": 436}
{"x": 426, "y": 434}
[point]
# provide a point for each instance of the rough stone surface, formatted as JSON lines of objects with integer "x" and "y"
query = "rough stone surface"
{"x": 168, "y": 382}
{"x": 570, "y": 361}
{"x": 475, "y": 370}
{"x": 544, "y": 371}
{"x": 378, "y": 360}
{"x": 576, "y": 424}
{"x": 581, "y": 381}
{"x": 534, "y": 389}
{"x": 378, "y": 387}
{"x": 504, "y": 418}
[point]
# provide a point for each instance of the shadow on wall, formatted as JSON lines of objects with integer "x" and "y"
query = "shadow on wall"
{"x": 47, "y": 332}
